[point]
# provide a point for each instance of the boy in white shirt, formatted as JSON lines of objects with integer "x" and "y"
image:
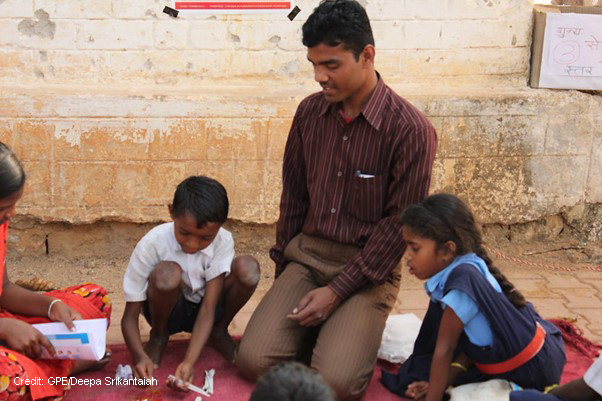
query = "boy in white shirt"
{"x": 183, "y": 277}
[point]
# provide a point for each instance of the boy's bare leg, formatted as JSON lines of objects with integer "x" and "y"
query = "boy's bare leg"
{"x": 238, "y": 288}
{"x": 164, "y": 290}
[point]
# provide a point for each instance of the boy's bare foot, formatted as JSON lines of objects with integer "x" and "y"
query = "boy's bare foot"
{"x": 155, "y": 346}
{"x": 221, "y": 340}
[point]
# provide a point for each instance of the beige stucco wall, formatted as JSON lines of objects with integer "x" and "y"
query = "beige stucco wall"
{"x": 110, "y": 104}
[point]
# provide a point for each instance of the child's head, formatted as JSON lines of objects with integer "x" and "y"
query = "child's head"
{"x": 199, "y": 208}
{"x": 12, "y": 180}
{"x": 440, "y": 228}
{"x": 291, "y": 381}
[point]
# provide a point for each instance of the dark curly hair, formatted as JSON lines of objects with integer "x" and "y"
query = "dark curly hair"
{"x": 291, "y": 381}
{"x": 339, "y": 21}
{"x": 445, "y": 217}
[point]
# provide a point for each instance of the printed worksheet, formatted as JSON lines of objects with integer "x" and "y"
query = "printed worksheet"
{"x": 87, "y": 342}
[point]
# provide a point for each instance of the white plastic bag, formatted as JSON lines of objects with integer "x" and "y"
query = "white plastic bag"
{"x": 399, "y": 336}
{"x": 492, "y": 390}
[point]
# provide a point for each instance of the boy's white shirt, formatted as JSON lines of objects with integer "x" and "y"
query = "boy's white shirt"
{"x": 593, "y": 376}
{"x": 160, "y": 244}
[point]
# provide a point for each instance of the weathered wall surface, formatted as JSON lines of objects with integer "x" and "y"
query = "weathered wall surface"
{"x": 110, "y": 104}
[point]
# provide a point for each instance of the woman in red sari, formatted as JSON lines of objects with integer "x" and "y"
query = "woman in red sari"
{"x": 20, "y": 344}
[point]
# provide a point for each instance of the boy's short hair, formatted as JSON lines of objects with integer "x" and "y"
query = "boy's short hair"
{"x": 339, "y": 21}
{"x": 202, "y": 197}
{"x": 291, "y": 381}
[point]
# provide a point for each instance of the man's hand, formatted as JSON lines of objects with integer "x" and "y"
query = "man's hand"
{"x": 23, "y": 338}
{"x": 315, "y": 307}
{"x": 61, "y": 312}
{"x": 144, "y": 369}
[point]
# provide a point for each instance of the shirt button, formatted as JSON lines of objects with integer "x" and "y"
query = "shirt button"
{"x": 345, "y": 137}
{"x": 333, "y": 210}
{"x": 340, "y": 173}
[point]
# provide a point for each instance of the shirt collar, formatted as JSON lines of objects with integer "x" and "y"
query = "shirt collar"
{"x": 176, "y": 247}
{"x": 371, "y": 110}
{"x": 437, "y": 282}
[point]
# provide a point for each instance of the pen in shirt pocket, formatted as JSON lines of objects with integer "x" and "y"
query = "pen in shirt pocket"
{"x": 359, "y": 174}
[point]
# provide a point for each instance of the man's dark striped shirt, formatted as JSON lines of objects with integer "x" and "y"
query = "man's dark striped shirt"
{"x": 349, "y": 182}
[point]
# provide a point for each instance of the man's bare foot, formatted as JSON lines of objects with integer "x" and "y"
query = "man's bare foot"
{"x": 155, "y": 346}
{"x": 220, "y": 340}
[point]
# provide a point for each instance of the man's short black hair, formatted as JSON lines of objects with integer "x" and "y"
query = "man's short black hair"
{"x": 202, "y": 197}
{"x": 291, "y": 381}
{"x": 339, "y": 21}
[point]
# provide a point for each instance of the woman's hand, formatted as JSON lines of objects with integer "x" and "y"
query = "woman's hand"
{"x": 417, "y": 390}
{"x": 23, "y": 338}
{"x": 60, "y": 312}
{"x": 184, "y": 375}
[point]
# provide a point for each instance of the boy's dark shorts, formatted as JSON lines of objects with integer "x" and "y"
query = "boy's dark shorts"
{"x": 183, "y": 316}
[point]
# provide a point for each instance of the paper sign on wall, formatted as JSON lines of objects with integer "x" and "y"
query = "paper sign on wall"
{"x": 572, "y": 52}
{"x": 234, "y": 6}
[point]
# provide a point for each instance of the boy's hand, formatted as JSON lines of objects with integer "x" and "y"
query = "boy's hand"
{"x": 61, "y": 312}
{"x": 184, "y": 375}
{"x": 144, "y": 369}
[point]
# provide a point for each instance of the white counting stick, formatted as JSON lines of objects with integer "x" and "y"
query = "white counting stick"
{"x": 127, "y": 372}
{"x": 208, "y": 386}
{"x": 189, "y": 386}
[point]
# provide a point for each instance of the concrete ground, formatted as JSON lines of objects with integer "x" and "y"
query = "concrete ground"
{"x": 554, "y": 275}
{"x": 575, "y": 294}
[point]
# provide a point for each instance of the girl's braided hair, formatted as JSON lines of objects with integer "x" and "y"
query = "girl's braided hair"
{"x": 443, "y": 218}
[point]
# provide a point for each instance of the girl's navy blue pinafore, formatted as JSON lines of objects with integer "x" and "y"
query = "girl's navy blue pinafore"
{"x": 513, "y": 329}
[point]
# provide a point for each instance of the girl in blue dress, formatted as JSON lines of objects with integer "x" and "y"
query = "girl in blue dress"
{"x": 478, "y": 325}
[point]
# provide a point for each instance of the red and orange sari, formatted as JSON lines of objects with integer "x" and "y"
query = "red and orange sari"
{"x": 89, "y": 300}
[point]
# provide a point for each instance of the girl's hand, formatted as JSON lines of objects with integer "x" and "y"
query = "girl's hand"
{"x": 61, "y": 312}
{"x": 184, "y": 375}
{"x": 23, "y": 338}
{"x": 417, "y": 390}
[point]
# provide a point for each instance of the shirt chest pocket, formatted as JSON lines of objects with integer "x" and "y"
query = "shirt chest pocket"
{"x": 367, "y": 198}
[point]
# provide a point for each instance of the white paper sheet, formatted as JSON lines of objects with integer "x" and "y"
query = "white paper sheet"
{"x": 572, "y": 51}
{"x": 87, "y": 342}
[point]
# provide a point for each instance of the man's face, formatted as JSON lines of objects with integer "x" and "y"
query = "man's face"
{"x": 337, "y": 71}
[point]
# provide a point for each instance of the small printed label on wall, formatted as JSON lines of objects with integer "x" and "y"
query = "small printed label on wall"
{"x": 234, "y": 7}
